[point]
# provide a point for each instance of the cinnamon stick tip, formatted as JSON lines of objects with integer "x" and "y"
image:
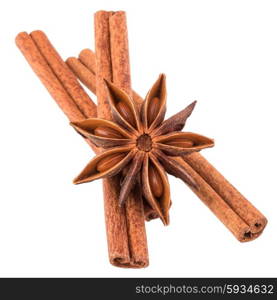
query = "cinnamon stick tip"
{"x": 125, "y": 263}
{"x": 71, "y": 59}
{"x": 20, "y": 36}
{"x": 38, "y": 32}
{"x": 119, "y": 13}
{"x": 103, "y": 12}
{"x": 252, "y": 233}
{"x": 84, "y": 52}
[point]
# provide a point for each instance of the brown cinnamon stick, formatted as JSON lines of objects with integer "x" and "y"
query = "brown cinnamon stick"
{"x": 83, "y": 73}
{"x": 237, "y": 213}
{"x": 49, "y": 73}
{"x": 46, "y": 72}
{"x": 122, "y": 78}
{"x": 88, "y": 59}
{"x": 40, "y": 66}
{"x": 61, "y": 70}
{"x": 123, "y": 224}
{"x": 224, "y": 212}
{"x": 250, "y": 214}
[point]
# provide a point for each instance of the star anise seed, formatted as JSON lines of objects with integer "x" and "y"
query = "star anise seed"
{"x": 139, "y": 145}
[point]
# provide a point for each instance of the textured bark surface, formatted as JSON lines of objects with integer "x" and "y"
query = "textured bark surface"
{"x": 125, "y": 226}
{"x": 46, "y": 71}
{"x": 126, "y": 232}
{"x": 61, "y": 70}
{"x": 83, "y": 73}
{"x": 247, "y": 212}
{"x": 120, "y": 52}
{"x": 48, "y": 78}
{"x": 87, "y": 57}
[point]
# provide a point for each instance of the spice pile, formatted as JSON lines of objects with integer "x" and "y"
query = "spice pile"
{"x": 135, "y": 147}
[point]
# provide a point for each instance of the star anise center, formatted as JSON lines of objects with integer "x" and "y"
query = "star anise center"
{"x": 144, "y": 143}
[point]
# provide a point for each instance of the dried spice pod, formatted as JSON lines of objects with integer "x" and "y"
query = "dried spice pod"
{"x": 131, "y": 176}
{"x": 106, "y": 164}
{"x": 107, "y": 132}
{"x": 180, "y": 143}
{"x": 154, "y": 106}
{"x": 148, "y": 153}
{"x": 153, "y": 109}
{"x": 126, "y": 112}
{"x": 123, "y": 108}
{"x": 176, "y": 122}
{"x": 158, "y": 200}
{"x": 103, "y": 133}
{"x": 155, "y": 181}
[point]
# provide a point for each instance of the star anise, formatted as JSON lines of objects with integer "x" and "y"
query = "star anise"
{"x": 139, "y": 144}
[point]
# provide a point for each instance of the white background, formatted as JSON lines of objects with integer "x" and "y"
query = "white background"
{"x": 222, "y": 53}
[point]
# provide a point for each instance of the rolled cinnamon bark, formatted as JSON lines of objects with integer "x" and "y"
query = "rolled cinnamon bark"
{"x": 125, "y": 226}
{"x": 61, "y": 70}
{"x": 224, "y": 212}
{"x": 237, "y": 214}
{"x": 122, "y": 78}
{"x": 55, "y": 85}
{"x": 88, "y": 59}
{"x": 117, "y": 226}
{"x": 83, "y": 73}
{"x": 127, "y": 238}
{"x": 46, "y": 75}
{"x": 120, "y": 51}
{"x": 250, "y": 214}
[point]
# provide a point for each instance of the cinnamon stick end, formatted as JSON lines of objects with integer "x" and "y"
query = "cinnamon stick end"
{"x": 37, "y": 32}
{"x": 20, "y": 37}
{"x": 123, "y": 263}
{"x": 253, "y": 232}
{"x": 85, "y": 52}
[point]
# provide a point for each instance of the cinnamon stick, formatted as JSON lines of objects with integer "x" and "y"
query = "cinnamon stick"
{"x": 229, "y": 205}
{"x": 61, "y": 70}
{"x": 122, "y": 78}
{"x": 83, "y": 73}
{"x": 250, "y": 214}
{"x": 125, "y": 226}
{"x": 88, "y": 59}
{"x": 56, "y": 86}
{"x": 46, "y": 75}
{"x": 224, "y": 212}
